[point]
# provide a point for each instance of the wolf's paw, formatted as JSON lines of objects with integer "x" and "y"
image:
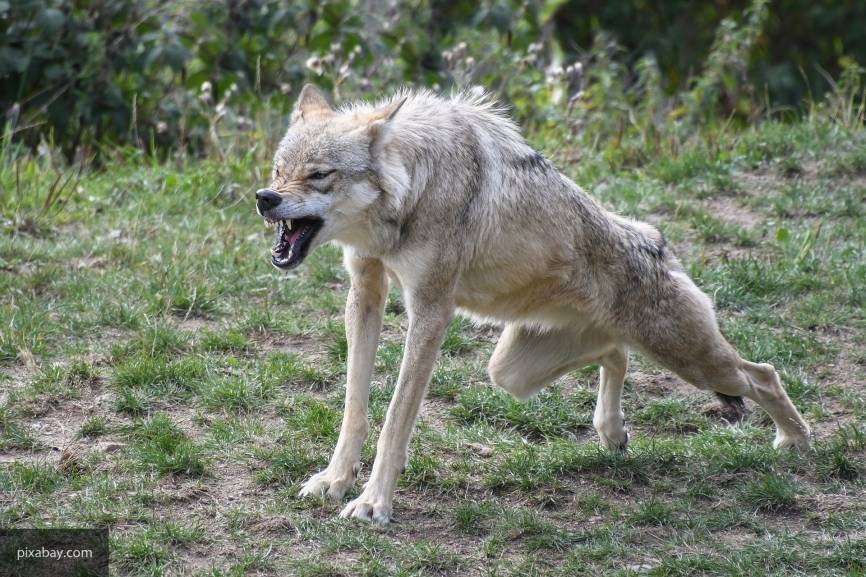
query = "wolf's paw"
{"x": 327, "y": 483}
{"x": 612, "y": 434}
{"x": 370, "y": 508}
{"x": 617, "y": 441}
{"x": 800, "y": 440}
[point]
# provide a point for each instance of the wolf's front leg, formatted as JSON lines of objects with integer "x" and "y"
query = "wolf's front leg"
{"x": 428, "y": 318}
{"x": 364, "y": 307}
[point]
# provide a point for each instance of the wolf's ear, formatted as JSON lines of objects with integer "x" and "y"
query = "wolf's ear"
{"x": 310, "y": 100}
{"x": 379, "y": 124}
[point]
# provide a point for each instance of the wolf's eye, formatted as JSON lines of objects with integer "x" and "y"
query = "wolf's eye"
{"x": 319, "y": 174}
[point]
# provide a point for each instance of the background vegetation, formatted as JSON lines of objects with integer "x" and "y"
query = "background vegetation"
{"x": 184, "y": 75}
{"x": 158, "y": 377}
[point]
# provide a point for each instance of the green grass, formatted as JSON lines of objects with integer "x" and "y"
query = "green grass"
{"x": 672, "y": 415}
{"x": 93, "y": 426}
{"x": 162, "y": 447}
{"x": 53, "y": 385}
{"x": 653, "y": 512}
{"x": 13, "y": 434}
{"x": 769, "y": 493}
{"x": 287, "y": 465}
{"x": 144, "y": 382}
{"x": 33, "y": 478}
{"x": 234, "y": 394}
{"x": 225, "y": 342}
{"x": 290, "y": 370}
{"x": 151, "y": 550}
{"x": 551, "y": 413}
{"x": 197, "y": 388}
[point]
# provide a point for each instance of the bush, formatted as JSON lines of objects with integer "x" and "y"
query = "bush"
{"x": 198, "y": 76}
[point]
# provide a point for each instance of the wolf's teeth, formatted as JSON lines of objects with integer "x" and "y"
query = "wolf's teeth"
{"x": 289, "y": 224}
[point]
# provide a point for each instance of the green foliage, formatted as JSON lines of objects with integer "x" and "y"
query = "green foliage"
{"x": 141, "y": 382}
{"x": 159, "y": 341}
{"x": 93, "y": 426}
{"x": 33, "y": 477}
{"x": 123, "y": 71}
{"x": 234, "y": 394}
{"x": 227, "y": 341}
{"x": 458, "y": 338}
{"x": 312, "y": 419}
{"x": 653, "y": 512}
{"x": 287, "y": 465}
{"x": 550, "y": 413}
{"x": 164, "y": 448}
{"x": 149, "y": 550}
{"x": 13, "y": 435}
{"x": 670, "y": 414}
{"x": 769, "y": 493}
{"x": 159, "y": 375}
{"x": 423, "y": 470}
{"x": 725, "y": 71}
{"x": 288, "y": 369}
{"x": 216, "y": 77}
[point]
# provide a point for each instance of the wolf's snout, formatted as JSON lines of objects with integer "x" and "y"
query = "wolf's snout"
{"x": 266, "y": 199}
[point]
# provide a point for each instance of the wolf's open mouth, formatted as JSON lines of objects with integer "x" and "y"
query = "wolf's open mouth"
{"x": 293, "y": 241}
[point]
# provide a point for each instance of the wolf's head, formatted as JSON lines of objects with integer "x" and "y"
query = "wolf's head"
{"x": 324, "y": 176}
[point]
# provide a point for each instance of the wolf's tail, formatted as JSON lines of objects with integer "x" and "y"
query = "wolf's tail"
{"x": 733, "y": 408}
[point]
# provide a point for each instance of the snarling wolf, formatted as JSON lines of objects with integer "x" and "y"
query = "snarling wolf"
{"x": 444, "y": 197}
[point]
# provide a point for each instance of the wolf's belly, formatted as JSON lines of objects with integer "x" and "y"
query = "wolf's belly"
{"x": 545, "y": 302}
{"x": 532, "y": 292}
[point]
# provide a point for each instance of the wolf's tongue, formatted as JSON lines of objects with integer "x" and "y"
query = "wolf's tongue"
{"x": 296, "y": 233}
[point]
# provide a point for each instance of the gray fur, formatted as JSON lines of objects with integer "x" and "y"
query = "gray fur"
{"x": 444, "y": 197}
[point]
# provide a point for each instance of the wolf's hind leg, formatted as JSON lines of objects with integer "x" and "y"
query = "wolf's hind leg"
{"x": 737, "y": 377}
{"x": 609, "y": 420}
{"x": 686, "y": 339}
{"x": 527, "y": 359}
{"x": 761, "y": 383}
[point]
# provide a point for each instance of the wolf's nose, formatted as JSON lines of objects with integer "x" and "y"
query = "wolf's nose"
{"x": 267, "y": 199}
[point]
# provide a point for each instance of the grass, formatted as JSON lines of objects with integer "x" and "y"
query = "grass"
{"x": 143, "y": 382}
{"x": 146, "y": 334}
{"x": 14, "y": 435}
{"x": 551, "y": 413}
{"x": 149, "y": 551}
{"x": 93, "y": 426}
{"x": 162, "y": 447}
{"x": 769, "y": 493}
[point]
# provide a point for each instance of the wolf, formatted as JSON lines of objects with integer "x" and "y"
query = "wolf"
{"x": 443, "y": 197}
